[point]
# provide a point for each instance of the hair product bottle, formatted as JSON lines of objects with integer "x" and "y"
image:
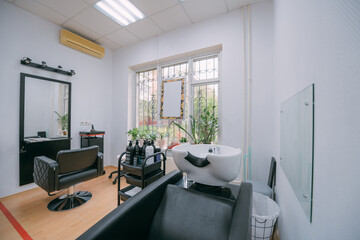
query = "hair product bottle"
{"x": 129, "y": 154}
{"x": 137, "y": 152}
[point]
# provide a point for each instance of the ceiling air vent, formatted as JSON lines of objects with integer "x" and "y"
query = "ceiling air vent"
{"x": 81, "y": 44}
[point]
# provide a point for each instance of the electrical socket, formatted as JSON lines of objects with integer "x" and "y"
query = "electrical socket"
{"x": 85, "y": 123}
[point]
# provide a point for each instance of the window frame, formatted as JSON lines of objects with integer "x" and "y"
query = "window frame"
{"x": 190, "y": 83}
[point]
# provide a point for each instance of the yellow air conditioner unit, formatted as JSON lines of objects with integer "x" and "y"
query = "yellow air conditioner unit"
{"x": 81, "y": 44}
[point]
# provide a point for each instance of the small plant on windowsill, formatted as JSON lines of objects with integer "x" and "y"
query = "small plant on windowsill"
{"x": 183, "y": 140}
{"x": 143, "y": 134}
{"x": 162, "y": 132}
{"x": 134, "y": 133}
{"x": 153, "y": 136}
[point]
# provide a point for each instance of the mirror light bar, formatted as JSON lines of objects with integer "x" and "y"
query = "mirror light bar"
{"x": 120, "y": 11}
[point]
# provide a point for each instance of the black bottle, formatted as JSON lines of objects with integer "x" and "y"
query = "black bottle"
{"x": 137, "y": 153}
{"x": 142, "y": 152}
{"x": 130, "y": 154}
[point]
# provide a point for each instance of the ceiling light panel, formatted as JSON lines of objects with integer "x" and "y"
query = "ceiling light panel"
{"x": 120, "y": 11}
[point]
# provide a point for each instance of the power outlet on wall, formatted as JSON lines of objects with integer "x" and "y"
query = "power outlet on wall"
{"x": 85, "y": 123}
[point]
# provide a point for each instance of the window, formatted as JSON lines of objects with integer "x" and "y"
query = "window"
{"x": 202, "y": 80}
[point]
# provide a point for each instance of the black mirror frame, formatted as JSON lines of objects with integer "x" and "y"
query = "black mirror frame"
{"x": 22, "y": 102}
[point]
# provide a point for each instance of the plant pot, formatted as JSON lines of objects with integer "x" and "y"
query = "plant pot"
{"x": 161, "y": 143}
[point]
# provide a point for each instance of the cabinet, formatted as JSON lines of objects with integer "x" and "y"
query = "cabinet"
{"x": 139, "y": 175}
{"x": 29, "y": 149}
{"x": 95, "y": 138}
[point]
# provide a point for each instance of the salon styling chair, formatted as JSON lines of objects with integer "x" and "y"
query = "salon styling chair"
{"x": 70, "y": 168}
{"x": 164, "y": 210}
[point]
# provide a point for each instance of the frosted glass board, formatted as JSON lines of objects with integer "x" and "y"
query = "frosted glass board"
{"x": 297, "y": 145}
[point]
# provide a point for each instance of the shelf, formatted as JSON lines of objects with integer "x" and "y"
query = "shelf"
{"x": 136, "y": 169}
{"x": 149, "y": 178}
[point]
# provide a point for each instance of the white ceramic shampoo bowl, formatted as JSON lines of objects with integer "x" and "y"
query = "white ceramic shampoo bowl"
{"x": 220, "y": 168}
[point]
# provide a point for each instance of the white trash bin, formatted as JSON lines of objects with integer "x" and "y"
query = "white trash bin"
{"x": 264, "y": 215}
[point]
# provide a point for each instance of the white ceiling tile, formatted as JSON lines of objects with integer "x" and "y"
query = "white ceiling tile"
{"x": 154, "y": 6}
{"x": 201, "y": 9}
{"x": 171, "y": 18}
{"x": 80, "y": 30}
{"x": 144, "y": 29}
{"x": 68, "y": 8}
{"x": 91, "y": 2}
{"x": 233, "y": 4}
{"x": 108, "y": 43}
{"x": 96, "y": 21}
{"x": 41, "y": 10}
{"x": 122, "y": 37}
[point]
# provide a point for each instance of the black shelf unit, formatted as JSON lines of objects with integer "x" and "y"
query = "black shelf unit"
{"x": 95, "y": 138}
{"x": 139, "y": 175}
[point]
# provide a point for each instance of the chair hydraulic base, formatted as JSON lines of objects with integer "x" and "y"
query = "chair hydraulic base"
{"x": 70, "y": 200}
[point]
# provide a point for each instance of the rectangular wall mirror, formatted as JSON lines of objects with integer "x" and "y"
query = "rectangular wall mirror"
{"x": 297, "y": 145}
{"x": 45, "y": 120}
{"x": 172, "y": 99}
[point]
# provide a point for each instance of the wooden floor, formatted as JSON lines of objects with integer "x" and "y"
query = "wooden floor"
{"x": 29, "y": 208}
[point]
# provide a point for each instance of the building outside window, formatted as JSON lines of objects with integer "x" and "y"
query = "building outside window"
{"x": 201, "y": 93}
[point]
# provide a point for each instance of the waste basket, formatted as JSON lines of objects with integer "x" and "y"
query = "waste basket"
{"x": 264, "y": 215}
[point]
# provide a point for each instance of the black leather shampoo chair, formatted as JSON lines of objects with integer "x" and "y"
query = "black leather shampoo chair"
{"x": 164, "y": 210}
{"x": 70, "y": 168}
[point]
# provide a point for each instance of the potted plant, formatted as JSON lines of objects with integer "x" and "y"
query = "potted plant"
{"x": 134, "y": 133}
{"x": 162, "y": 132}
{"x": 63, "y": 121}
{"x": 203, "y": 128}
{"x": 153, "y": 136}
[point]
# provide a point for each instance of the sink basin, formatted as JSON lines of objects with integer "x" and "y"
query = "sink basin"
{"x": 213, "y": 165}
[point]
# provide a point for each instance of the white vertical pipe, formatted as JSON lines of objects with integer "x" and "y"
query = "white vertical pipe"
{"x": 248, "y": 94}
{"x": 244, "y": 99}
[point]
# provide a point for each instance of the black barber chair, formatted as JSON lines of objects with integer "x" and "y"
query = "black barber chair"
{"x": 70, "y": 168}
{"x": 164, "y": 210}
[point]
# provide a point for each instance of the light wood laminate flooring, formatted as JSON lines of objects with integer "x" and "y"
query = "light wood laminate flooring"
{"x": 29, "y": 208}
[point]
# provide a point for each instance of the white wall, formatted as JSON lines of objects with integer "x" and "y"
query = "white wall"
{"x": 23, "y": 34}
{"x": 227, "y": 31}
{"x": 319, "y": 42}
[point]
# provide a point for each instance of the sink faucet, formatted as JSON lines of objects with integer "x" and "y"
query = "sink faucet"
{"x": 214, "y": 150}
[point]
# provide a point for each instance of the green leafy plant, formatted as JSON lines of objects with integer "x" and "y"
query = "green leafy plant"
{"x": 183, "y": 140}
{"x": 162, "y": 132}
{"x": 134, "y": 133}
{"x": 203, "y": 129}
{"x": 63, "y": 120}
{"x": 152, "y": 136}
{"x": 143, "y": 134}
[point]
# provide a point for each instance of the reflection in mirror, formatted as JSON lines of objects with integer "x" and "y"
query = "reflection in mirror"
{"x": 297, "y": 145}
{"x": 172, "y": 99}
{"x": 46, "y": 108}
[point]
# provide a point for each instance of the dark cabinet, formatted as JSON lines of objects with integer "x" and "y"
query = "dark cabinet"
{"x": 30, "y": 149}
{"x": 95, "y": 138}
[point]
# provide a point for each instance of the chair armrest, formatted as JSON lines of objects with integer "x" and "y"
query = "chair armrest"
{"x": 46, "y": 173}
{"x": 100, "y": 164}
{"x": 134, "y": 214}
{"x": 241, "y": 223}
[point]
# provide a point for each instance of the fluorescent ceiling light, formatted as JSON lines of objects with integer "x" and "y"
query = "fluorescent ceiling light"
{"x": 120, "y": 11}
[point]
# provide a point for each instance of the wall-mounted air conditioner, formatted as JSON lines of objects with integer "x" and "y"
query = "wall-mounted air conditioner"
{"x": 81, "y": 44}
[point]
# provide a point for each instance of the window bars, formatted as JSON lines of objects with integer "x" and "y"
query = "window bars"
{"x": 202, "y": 80}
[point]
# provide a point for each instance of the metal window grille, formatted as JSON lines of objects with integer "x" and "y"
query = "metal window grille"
{"x": 201, "y": 92}
{"x": 147, "y": 96}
